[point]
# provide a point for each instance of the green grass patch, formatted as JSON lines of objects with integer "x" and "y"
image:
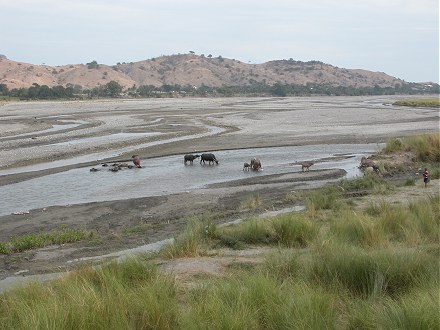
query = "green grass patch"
{"x": 250, "y": 231}
{"x": 257, "y": 301}
{"x": 5, "y": 248}
{"x": 192, "y": 242}
{"x": 294, "y": 230}
{"x": 368, "y": 182}
{"x": 32, "y": 241}
{"x": 378, "y": 272}
{"x": 130, "y": 295}
{"x": 357, "y": 229}
{"x": 142, "y": 228}
{"x": 432, "y": 103}
{"x": 323, "y": 199}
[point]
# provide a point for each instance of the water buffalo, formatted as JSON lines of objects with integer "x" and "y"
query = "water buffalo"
{"x": 246, "y": 166}
{"x": 255, "y": 164}
{"x": 189, "y": 158}
{"x": 210, "y": 158}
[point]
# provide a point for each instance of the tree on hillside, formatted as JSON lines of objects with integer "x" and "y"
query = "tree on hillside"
{"x": 3, "y": 89}
{"x": 92, "y": 65}
{"x": 112, "y": 89}
{"x": 279, "y": 90}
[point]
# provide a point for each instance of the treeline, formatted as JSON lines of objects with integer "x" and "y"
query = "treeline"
{"x": 114, "y": 90}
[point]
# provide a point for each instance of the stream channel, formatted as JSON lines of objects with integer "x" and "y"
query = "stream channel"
{"x": 169, "y": 175}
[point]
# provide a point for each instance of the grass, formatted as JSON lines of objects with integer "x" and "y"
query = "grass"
{"x": 32, "y": 241}
{"x": 426, "y": 147}
{"x": 432, "y": 103}
{"x": 378, "y": 272}
{"x": 342, "y": 268}
{"x": 251, "y": 202}
{"x": 142, "y": 227}
{"x": 191, "y": 243}
{"x": 131, "y": 295}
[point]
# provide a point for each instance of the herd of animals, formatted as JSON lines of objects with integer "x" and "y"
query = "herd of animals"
{"x": 254, "y": 164}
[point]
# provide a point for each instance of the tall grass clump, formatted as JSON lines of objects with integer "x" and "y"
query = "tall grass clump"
{"x": 256, "y": 301}
{"x": 394, "y": 144}
{"x": 130, "y": 295}
{"x": 419, "y": 309}
{"x": 294, "y": 229}
{"x": 192, "y": 242}
{"x": 427, "y": 147}
{"x": 425, "y": 217}
{"x": 323, "y": 199}
{"x": 368, "y": 182}
{"x": 357, "y": 228}
{"x": 250, "y": 231}
{"x": 373, "y": 273}
{"x": 282, "y": 264}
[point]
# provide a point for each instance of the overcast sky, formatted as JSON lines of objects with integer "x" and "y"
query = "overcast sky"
{"x": 398, "y": 37}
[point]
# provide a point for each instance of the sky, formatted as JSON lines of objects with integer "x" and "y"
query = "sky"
{"x": 398, "y": 37}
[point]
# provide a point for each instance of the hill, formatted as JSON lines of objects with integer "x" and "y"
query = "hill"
{"x": 188, "y": 69}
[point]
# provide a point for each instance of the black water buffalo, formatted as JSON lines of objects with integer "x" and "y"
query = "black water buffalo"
{"x": 210, "y": 158}
{"x": 255, "y": 164}
{"x": 189, "y": 158}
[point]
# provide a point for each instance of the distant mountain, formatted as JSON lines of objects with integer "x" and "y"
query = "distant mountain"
{"x": 188, "y": 69}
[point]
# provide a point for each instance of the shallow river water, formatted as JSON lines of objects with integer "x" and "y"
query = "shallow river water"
{"x": 168, "y": 175}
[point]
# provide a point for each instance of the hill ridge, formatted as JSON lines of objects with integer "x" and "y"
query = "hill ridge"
{"x": 189, "y": 69}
